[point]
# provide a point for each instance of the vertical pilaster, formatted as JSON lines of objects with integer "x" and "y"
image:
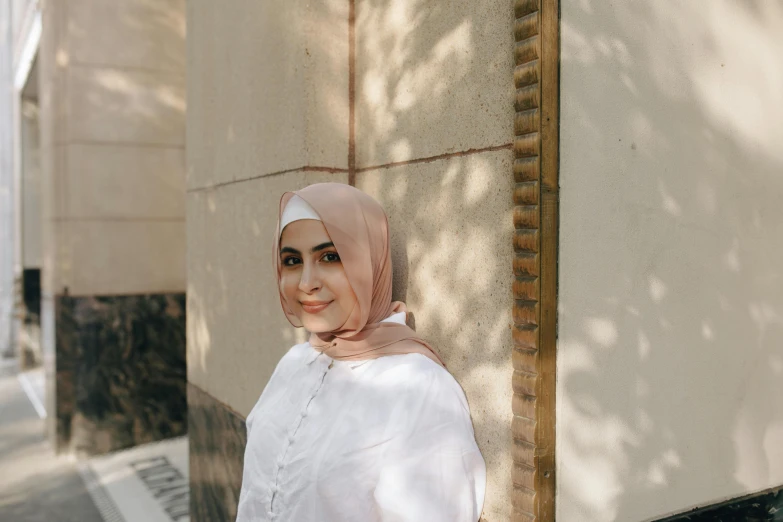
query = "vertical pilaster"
{"x": 112, "y": 152}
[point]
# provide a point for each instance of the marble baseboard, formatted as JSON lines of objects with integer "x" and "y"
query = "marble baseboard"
{"x": 766, "y": 506}
{"x": 217, "y": 446}
{"x": 120, "y": 371}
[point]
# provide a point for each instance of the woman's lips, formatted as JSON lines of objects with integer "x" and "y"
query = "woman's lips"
{"x": 313, "y": 307}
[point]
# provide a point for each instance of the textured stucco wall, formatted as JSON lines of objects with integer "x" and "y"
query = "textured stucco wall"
{"x": 670, "y": 354}
{"x": 269, "y": 110}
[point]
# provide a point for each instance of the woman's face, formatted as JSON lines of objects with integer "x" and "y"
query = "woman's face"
{"x": 312, "y": 277}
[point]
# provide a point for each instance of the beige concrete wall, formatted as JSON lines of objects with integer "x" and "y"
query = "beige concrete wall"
{"x": 270, "y": 81}
{"x": 112, "y": 114}
{"x": 268, "y": 94}
{"x": 31, "y": 186}
{"x": 259, "y": 124}
{"x": 113, "y": 97}
{"x": 432, "y": 78}
{"x": 670, "y": 365}
{"x": 451, "y": 227}
{"x": 434, "y": 82}
{"x": 236, "y": 331}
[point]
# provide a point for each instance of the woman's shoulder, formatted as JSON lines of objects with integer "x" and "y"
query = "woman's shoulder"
{"x": 415, "y": 365}
{"x": 298, "y": 353}
{"x": 434, "y": 404}
{"x": 422, "y": 376}
{"x": 296, "y": 356}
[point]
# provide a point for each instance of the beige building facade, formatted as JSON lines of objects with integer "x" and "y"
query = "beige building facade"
{"x": 112, "y": 145}
{"x": 642, "y": 387}
{"x": 410, "y": 103}
{"x": 97, "y": 228}
{"x": 585, "y": 210}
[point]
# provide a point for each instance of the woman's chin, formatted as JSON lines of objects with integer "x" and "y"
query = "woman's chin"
{"x": 318, "y": 325}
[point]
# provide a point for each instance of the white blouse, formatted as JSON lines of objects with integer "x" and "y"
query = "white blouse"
{"x": 387, "y": 439}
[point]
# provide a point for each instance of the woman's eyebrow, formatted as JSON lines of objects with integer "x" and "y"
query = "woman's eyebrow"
{"x": 322, "y": 246}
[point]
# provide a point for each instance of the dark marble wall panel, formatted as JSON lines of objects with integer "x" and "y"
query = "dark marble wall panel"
{"x": 766, "y": 506}
{"x": 120, "y": 371}
{"x": 30, "y": 353}
{"x": 217, "y": 445}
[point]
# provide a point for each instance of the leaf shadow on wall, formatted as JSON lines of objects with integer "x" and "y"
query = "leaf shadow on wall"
{"x": 434, "y": 126}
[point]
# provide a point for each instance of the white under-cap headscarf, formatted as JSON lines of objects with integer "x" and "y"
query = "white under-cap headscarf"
{"x": 297, "y": 209}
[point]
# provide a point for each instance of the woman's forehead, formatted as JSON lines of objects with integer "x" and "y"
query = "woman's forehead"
{"x": 304, "y": 234}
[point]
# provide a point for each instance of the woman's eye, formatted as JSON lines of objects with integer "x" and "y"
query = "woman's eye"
{"x": 290, "y": 261}
{"x": 331, "y": 257}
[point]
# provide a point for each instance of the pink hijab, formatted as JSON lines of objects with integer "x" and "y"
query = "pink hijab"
{"x": 359, "y": 229}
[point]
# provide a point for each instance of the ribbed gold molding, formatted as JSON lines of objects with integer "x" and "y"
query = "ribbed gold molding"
{"x": 535, "y": 258}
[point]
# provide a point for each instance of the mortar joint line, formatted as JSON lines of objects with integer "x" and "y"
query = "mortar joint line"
{"x": 306, "y": 168}
{"x": 352, "y": 92}
{"x": 429, "y": 159}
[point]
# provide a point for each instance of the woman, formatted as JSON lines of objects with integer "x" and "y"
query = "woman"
{"x": 362, "y": 423}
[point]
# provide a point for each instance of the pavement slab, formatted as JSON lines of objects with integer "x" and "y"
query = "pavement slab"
{"x": 147, "y": 483}
{"x": 36, "y": 485}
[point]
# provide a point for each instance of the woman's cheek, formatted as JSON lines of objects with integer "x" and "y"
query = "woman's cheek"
{"x": 288, "y": 287}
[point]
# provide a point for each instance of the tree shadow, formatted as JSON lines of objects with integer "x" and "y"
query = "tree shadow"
{"x": 434, "y": 98}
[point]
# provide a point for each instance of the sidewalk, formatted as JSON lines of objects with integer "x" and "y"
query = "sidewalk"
{"x": 35, "y": 485}
{"x": 144, "y": 484}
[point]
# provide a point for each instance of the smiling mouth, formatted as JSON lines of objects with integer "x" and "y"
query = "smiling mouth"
{"x": 314, "y": 307}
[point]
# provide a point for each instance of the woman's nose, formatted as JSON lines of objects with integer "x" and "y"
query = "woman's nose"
{"x": 310, "y": 280}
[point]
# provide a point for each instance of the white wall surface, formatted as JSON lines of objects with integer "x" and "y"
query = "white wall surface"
{"x": 670, "y": 363}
